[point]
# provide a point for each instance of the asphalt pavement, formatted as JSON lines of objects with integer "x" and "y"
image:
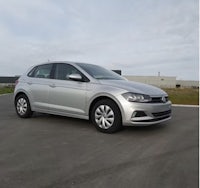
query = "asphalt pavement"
{"x": 48, "y": 151}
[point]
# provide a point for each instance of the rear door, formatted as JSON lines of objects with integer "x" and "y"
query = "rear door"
{"x": 38, "y": 84}
{"x": 67, "y": 96}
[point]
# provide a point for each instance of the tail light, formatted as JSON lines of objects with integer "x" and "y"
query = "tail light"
{"x": 16, "y": 82}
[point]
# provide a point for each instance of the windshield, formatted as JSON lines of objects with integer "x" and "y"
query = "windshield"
{"x": 99, "y": 72}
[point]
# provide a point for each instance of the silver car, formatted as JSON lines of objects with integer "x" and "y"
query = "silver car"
{"x": 90, "y": 92}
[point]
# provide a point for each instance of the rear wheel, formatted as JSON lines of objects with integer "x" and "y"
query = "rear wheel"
{"x": 22, "y": 106}
{"x": 106, "y": 116}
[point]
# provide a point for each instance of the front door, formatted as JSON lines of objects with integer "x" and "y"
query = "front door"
{"x": 67, "y": 96}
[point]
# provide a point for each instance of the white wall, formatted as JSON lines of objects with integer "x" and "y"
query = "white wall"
{"x": 159, "y": 81}
{"x": 187, "y": 83}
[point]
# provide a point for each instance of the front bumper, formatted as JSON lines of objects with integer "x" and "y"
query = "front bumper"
{"x": 141, "y": 114}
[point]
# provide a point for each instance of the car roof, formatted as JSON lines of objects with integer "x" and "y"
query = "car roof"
{"x": 69, "y": 62}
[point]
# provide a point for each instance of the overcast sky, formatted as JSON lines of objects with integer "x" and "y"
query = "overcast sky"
{"x": 140, "y": 37}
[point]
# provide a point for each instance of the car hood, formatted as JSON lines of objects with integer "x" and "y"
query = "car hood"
{"x": 135, "y": 87}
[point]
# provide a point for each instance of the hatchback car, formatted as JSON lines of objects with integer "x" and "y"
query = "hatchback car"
{"x": 91, "y": 92}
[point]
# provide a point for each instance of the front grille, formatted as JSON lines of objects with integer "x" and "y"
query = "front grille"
{"x": 158, "y": 100}
{"x": 158, "y": 114}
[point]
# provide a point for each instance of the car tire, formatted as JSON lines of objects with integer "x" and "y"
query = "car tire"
{"x": 106, "y": 116}
{"x": 22, "y": 106}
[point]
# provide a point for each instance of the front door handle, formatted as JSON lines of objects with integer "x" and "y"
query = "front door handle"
{"x": 52, "y": 85}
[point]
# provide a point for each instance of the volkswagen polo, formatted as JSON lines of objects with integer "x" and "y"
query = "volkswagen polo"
{"x": 90, "y": 92}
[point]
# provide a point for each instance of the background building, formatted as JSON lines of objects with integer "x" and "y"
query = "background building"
{"x": 164, "y": 81}
{"x": 187, "y": 83}
{"x": 160, "y": 81}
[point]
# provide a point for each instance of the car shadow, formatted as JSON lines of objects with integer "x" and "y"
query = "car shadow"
{"x": 63, "y": 120}
{"x": 147, "y": 128}
{"x": 60, "y": 119}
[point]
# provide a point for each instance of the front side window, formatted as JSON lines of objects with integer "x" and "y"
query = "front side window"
{"x": 41, "y": 71}
{"x": 63, "y": 71}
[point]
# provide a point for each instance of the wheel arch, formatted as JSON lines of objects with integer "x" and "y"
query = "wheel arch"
{"x": 95, "y": 100}
{"x": 22, "y": 93}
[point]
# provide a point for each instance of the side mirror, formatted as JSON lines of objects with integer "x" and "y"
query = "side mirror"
{"x": 76, "y": 77}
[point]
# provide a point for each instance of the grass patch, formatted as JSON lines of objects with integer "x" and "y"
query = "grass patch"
{"x": 183, "y": 95}
{"x": 6, "y": 89}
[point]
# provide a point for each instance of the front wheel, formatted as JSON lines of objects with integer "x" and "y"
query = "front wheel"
{"x": 106, "y": 116}
{"x": 22, "y": 106}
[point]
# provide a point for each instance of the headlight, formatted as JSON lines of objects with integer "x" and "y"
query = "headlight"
{"x": 135, "y": 97}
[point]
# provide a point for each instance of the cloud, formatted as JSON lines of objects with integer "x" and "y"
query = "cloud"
{"x": 138, "y": 37}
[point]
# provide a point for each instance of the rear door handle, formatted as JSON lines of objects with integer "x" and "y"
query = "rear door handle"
{"x": 29, "y": 83}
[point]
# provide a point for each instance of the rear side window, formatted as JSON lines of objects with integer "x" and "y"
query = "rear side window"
{"x": 41, "y": 71}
